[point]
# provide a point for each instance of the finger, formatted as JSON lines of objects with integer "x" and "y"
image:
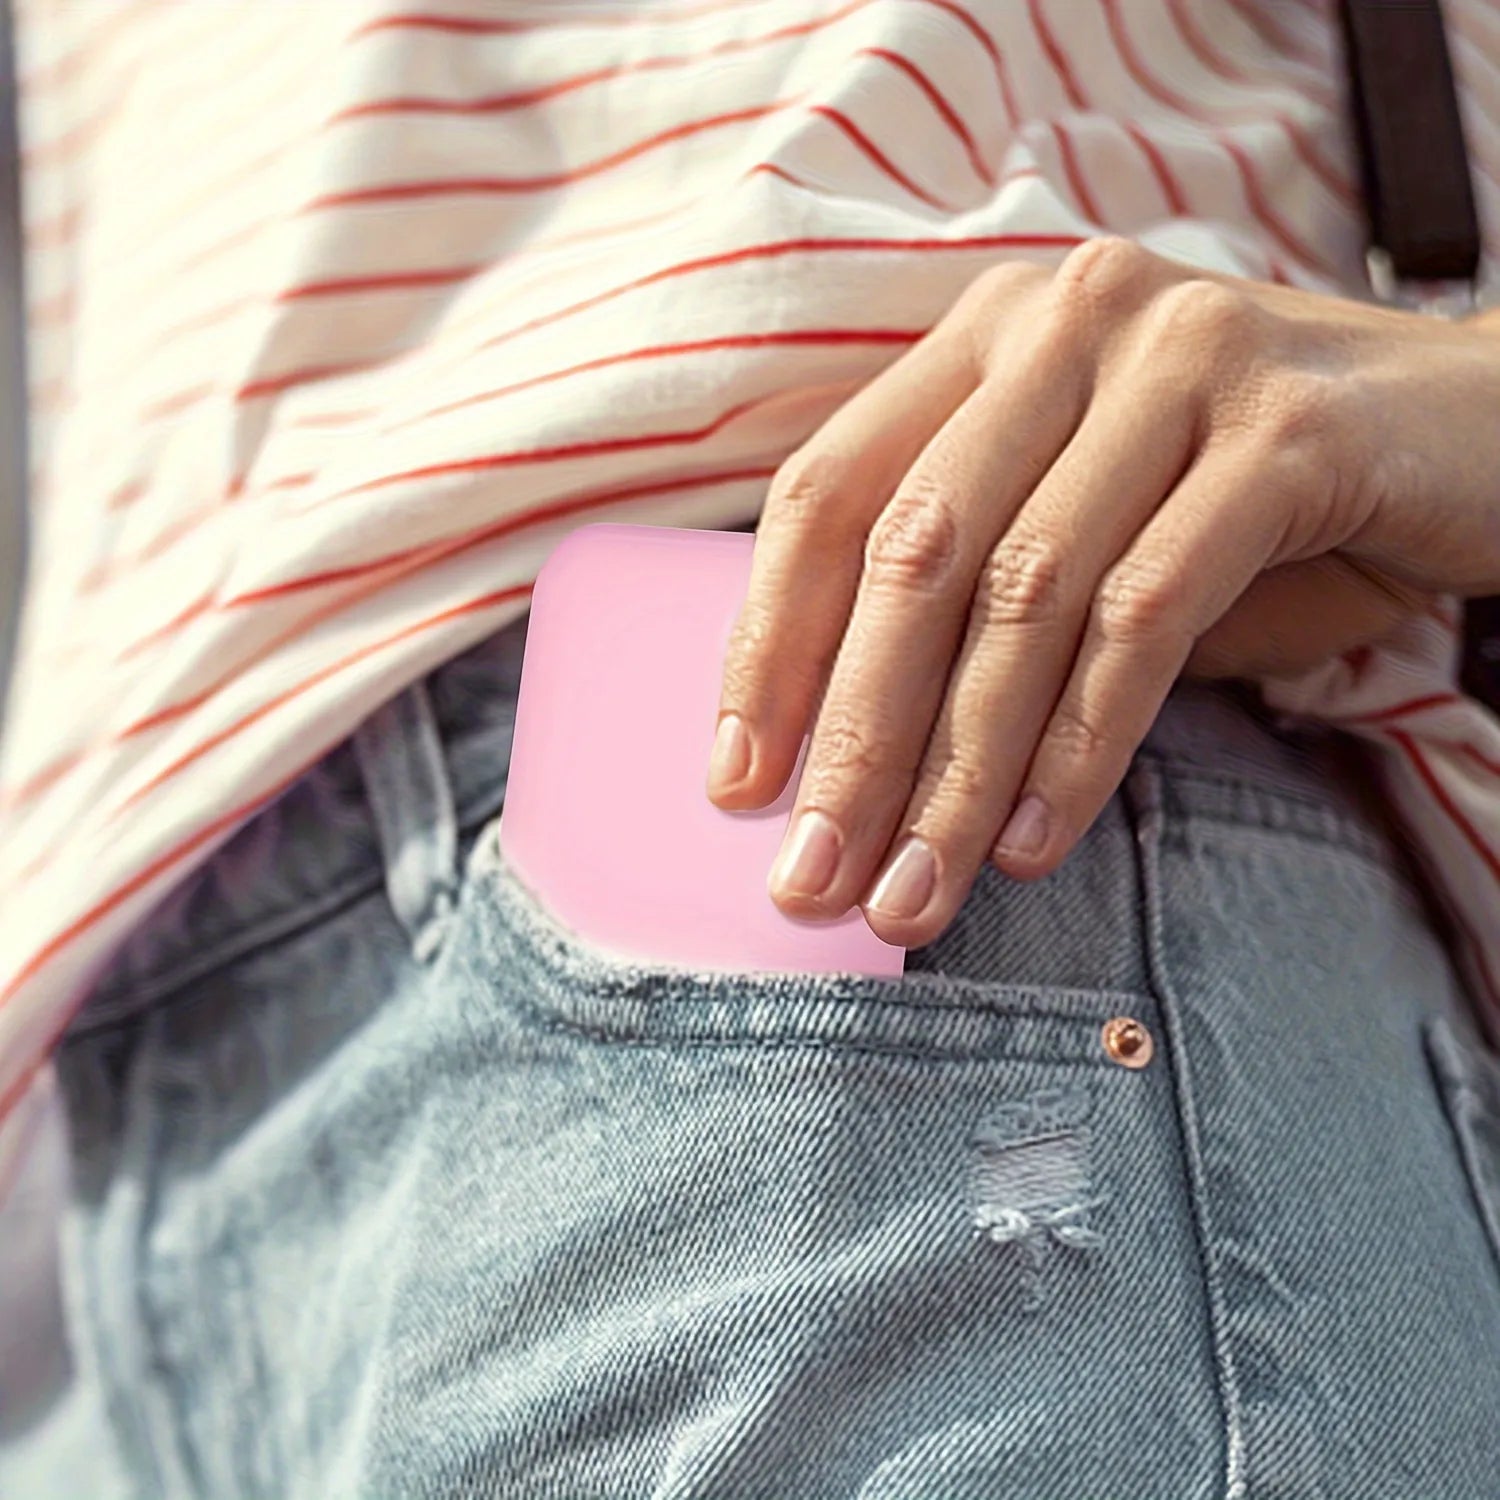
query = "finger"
{"x": 1027, "y": 615}
{"x": 805, "y": 567}
{"x": 924, "y": 555}
{"x": 1299, "y": 615}
{"x": 1196, "y": 556}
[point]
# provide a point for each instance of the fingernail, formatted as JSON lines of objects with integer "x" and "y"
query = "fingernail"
{"x": 810, "y": 856}
{"x": 907, "y": 884}
{"x": 1026, "y": 833}
{"x": 730, "y": 761}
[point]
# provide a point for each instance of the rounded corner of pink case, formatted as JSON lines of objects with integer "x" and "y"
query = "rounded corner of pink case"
{"x": 606, "y": 799}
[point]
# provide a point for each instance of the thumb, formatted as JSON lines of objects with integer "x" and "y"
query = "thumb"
{"x": 1298, "y": 615}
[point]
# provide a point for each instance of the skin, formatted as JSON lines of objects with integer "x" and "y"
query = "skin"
{"x": 979, "y": 580}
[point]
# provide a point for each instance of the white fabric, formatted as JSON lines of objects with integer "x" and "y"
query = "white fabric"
{"x": 344, "y": 315}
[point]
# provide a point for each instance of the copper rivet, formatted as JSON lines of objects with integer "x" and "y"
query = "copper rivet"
{"x": 1128, "y": 1042}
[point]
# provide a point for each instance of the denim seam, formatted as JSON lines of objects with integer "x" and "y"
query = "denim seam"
{"x": 1145, "y": 801}
{"x": 119, "y": 1007}
{"x": 540, "y": 941}
{"x": 1343, "y": 829}
{"x": 515, "y": 950}
{"x": 1372, "y": 860}
{"x": 555, "y": 1024}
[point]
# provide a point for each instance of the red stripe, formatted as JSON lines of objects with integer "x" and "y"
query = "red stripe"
{"x": 88, "y": 54}
{"x": 877, "y": 156}
{"x": 1476, "y": 948}
{"x": 226, "y": 821}
{"x": 935, "y": 97}
{"x": 418, "y": 280}
{"x": 485, "y": 186}
{"x": 273, "y": 385}
{"x": 1170, "y": 188}
{"x": 1401, "y": 710}
{"x": 127, "y": 494}
{"x": 51, "y": 312}
{"x": 779, "y": 248}
{"x": 28, "y": 790}
{"x": 430, "y": 553}
{"x": 243, "y": 233}
{"x": 289, "y": 482}
{"x": 247, "y": 232}
{"x": 34, "y": 157}
{"x": 170, "y": 406}
{"x": 207, "y": 318}
{"x": 112, "y": 568}
{"x": 383, "y": 571}
{"x": 464, "y": 186}
{"x": 1303, "y": 146}
{"x": 238, "y": 236}
{"x": 987, "y": 44}
{"x": 1479, "y": 758}
{"x": 423, "y": 104}
{"x": 1056, "y": 56}
{"x": 387, "y": 281}
{"x": 1441, "y": 796}
{"x": 1198, "y": 45}
{"x": 792, "y": 337}
{"x": 1203, "y": 49}
{"x": 49, "y": 234}
{"x": 777, "y": 171}
{"x": 487, "y": 462}
{"x": 1136, "y": 67}
{"x": 1268, "y": 218}
{"x": 1278, "y": 39}
{"x": 490, "y": 26}
{"x": 200, "y": 606}
{"x": 1074, "y": 172}
{"x": 203, "y": 747}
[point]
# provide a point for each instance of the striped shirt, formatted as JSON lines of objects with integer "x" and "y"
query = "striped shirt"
{"x": 343, "y": 314}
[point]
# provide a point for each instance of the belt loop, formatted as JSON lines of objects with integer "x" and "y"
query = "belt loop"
{"x": 400, "y": 755}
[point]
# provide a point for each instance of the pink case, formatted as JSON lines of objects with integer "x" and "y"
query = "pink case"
{"x": 606, "y": 815}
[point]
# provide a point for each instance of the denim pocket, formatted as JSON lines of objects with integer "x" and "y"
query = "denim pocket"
{"x": 1468, "y": 1079}
{"x": 527, "y": 956}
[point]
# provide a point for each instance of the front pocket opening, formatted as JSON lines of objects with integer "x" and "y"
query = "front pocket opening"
{"x": 525, "y": 954}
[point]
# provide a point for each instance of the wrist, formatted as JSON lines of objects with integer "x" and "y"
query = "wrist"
{"x": 1487, "y": 321}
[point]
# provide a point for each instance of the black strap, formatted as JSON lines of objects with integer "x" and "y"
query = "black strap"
{"x": 13, "y": 462}
{"x": 1419, "y": 195}
{"x": 1418, "y": 189}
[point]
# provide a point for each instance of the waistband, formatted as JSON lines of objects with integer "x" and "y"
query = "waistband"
{"x": 400, "y": 803}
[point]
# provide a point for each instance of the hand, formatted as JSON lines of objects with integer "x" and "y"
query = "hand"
{"x": 984, "y": 573}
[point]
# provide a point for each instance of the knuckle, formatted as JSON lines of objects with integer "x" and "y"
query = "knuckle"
{"x": 915, "y": 541}
{"x": 1137, "y": 602}
{"x": 999, "y": 283}
{"x": 847, "y": 749}
{"x": 1103, "y": 274}
{"x": 988, "y": 305}
{"x": 1022, "y": 584}
{"x": 753, "y": 637}
{"x": 1200, "y": 315}
{"x": 955, "y": 783}
{"x": 762, "y": 660}
{"x": 1075, "y": 732}
{"x": 804, "y": 488}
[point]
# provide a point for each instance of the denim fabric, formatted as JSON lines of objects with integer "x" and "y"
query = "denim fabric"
{"x": 387, "y": 1186}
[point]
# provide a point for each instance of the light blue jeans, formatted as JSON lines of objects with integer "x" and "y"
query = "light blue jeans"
{"x": 388, "y": 1187}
